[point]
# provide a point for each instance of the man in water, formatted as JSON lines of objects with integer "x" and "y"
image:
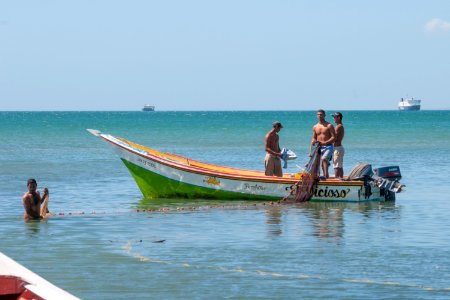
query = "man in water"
{"x": 339, "y": 151}
{"x": 32, "y": 201}
{"x": 324, "y": 134}
{"x": 272, "y": 160}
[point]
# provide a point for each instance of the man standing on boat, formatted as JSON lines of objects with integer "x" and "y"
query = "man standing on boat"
{"x": 324, "y": 134}
{"x": 272, "y": 160}
{"x": 339, "y": 151}
{"x": 32, "y": 201}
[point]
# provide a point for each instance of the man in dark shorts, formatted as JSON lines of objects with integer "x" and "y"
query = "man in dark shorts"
{"x": 32, "y": 201}
{"x": 272, "y": 160}
{"x": 324, "y": 134}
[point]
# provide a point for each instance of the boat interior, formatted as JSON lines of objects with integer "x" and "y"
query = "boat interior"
{"x": 202, "y": 166}
{"x": 178, "y": 159}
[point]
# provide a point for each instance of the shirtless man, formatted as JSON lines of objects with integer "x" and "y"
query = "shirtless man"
{"x": 324, "y": 134}
{"x": 339, "y": 151}
{"x": 272, "y": 160}
{"x": 32, "y": 201}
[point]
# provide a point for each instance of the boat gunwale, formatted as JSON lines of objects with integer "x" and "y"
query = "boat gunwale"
{"x": 224, "y": 175}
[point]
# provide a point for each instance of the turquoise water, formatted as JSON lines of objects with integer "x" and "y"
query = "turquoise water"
{"x": 236, "y": 250}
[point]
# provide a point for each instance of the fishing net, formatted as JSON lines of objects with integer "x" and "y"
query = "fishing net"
{"x": 309, "y": 176}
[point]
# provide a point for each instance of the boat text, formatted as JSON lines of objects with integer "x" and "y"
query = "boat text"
{"x": 330, "y": 193}
{"x": 147, "y": 163}
{"x": 254, "y": 187}
{"x": 325, "y": 192}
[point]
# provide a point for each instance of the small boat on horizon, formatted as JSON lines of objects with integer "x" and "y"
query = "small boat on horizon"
{"x": 166, "y": 175}
{"x": 409, "y": 104}
{"x": 148, "y": 107}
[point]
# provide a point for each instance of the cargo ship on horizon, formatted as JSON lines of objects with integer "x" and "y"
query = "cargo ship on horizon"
{"x": 409, "y": 104}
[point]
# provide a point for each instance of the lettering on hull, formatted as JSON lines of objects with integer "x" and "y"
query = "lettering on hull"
{"x": 255, "y": 187}
{"x": 320, "y": 192}
{"x": 331, "y": 193}
{"x": 147, "y": 163}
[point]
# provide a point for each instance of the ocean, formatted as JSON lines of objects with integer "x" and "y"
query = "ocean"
{"x": 100, "y": 245}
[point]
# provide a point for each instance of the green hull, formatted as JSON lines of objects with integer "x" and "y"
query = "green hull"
{"x": 153, "y": 185}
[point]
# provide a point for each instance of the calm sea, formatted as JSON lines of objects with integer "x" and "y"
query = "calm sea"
{"x": 236, "y": 250}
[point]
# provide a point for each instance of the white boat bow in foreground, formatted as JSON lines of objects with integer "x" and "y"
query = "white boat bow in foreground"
{"x": 17, "y": 282}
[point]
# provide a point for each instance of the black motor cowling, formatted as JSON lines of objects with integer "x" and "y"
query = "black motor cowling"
{"x": 391, "y": 173}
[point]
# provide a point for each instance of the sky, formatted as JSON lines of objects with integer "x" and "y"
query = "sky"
{"x": 77, "y": 55}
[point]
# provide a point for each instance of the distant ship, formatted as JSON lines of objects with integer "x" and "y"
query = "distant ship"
{"x": 148, "y": 108}
{"x": 409, "y": 104}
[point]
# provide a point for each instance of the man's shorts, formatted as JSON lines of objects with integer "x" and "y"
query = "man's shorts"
{"x": 273, "y": 165}
{"x": 326, "y": 152}
{"x": 338, "y": 157}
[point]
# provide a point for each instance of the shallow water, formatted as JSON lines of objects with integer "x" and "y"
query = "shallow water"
{"x": 233, "y": 249}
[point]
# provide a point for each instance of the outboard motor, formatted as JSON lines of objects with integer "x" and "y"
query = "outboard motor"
{"x": 386, "y": 178}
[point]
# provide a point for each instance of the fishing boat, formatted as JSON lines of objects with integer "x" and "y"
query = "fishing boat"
{"x": 409, "y": 104}
{"x": 166, "y": 175}
{"x": 148, "y": 107}
{"x": 17, "y": 282}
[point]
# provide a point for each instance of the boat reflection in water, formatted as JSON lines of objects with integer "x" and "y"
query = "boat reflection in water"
{"x": 273, "y": 220}
{"x": 328, "y": 218}
{"x": 323, "y": 220}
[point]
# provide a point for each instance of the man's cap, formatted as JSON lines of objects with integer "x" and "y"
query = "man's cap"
{"x": 337, "y": 114}
{"x": 277, "y": 124}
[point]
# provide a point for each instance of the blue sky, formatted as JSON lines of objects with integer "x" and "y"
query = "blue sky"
{"x": 223, "y": 55}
